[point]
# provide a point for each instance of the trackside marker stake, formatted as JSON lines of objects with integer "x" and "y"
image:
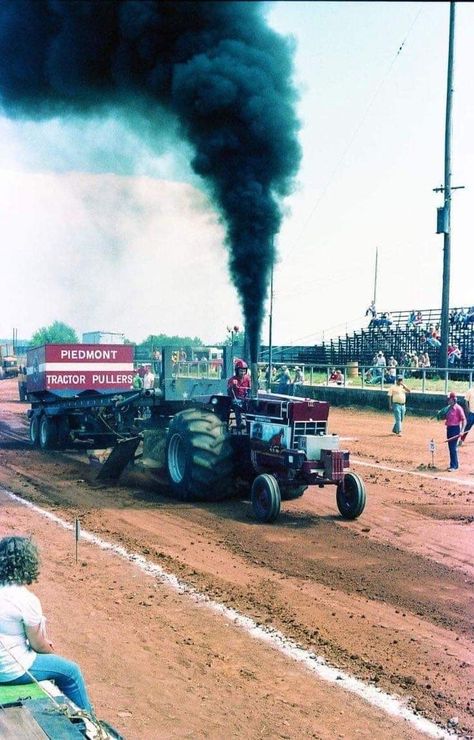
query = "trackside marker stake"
{"x": 77, "y": 533}
{"x": 392, "y": 705}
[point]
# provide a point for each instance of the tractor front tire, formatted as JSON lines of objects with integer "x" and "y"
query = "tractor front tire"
{"x": 266, "y": 498}
{"x": 199, "y": 456}
{"x": 351, "y": 496}
{"x": 48, "y": 433}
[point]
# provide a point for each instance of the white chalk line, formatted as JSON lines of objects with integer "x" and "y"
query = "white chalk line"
{"x": 431, "y": 476}
{"x": 274, "y": 638}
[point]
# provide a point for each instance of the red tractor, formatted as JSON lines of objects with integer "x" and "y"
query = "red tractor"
{"x": 282, "y": 448}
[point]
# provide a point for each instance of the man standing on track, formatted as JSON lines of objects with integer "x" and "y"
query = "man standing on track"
{"x": 455, "y": 421}
{"x": 397, "y": 398}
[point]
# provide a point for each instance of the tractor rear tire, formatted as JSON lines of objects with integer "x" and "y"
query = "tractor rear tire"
{"x": 48, "y": 433}
{"x": 199, "y": 456}
{"x": 34, "y": 430}
{"x": 351, "y": 497}
{"x": 289, "y": 493}
{"x": 266, "y": 498}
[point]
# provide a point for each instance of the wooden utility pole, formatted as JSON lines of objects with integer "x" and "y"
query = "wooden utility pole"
{"x": 376, "y": 274}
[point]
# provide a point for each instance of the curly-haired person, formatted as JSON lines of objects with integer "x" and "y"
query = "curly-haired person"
{"x": 25, "y": 649}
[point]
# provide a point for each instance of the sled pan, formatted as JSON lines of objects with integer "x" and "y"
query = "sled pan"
{"x": 121, "y": 454}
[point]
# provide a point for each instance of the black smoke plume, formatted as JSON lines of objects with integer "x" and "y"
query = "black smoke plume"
{"x": 217, "y": 67}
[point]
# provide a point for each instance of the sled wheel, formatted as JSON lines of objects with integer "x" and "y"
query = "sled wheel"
{"x": 351, "y": 496}
{"x": 34, "y": 430}
{"x": 199, "y": 456}
{"x": 266, "y": 498}
{"x": 48, "y": 433}
{"x": 289, "y": 493}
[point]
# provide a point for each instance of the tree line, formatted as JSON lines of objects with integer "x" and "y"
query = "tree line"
{"x": 60, "y": 333}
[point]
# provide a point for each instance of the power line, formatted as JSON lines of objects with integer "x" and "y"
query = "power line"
{"x": 359, "y": 126}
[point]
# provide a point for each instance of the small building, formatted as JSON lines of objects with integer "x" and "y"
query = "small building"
{"x": 103, "y": 337}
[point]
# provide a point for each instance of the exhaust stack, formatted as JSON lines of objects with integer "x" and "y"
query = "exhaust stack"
{"x": 254, "y": 376}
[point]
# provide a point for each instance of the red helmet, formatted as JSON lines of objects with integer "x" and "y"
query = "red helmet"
{"x": 241, "y": 365}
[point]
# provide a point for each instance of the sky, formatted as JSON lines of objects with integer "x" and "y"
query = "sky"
{"x": 106, "y": 233}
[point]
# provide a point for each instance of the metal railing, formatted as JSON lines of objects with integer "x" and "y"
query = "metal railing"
{"x": 424, "y": 380}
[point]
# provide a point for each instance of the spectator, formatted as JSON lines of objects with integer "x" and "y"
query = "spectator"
{"x": 386, "y": 320}
{"x": 433, "y": 342}
{"x": 454, "y": 317}
{"x": 411, "y": 320}
{"x": 418, "y": 319}
{"x": 270, "y": 378}
{"x": 371, "y": 310}
{"x": 404, "y": 364}
{"x": 368, "y": 375}
{"x": 374, "y": 321}
{"x": 137, "y": 382}
{"x": 397, "y": 396}
{"x": 24, "y": 644}
{"x": 414, "y": 365}
{"x": 454, "y": 355}
{"x": 148, "y": 380}
{"x": 336, "y": 377}
{"x": 469, "y": 317}
{"x": 298, "y": 380}
{"x": 157, "y": 362}
{"x": 469, "y": 403}
{"x": 391, "y": 373}
{"x": 284, "y": 380}
{"x": 380, "y": 364}
{"x": 426, "y": 360}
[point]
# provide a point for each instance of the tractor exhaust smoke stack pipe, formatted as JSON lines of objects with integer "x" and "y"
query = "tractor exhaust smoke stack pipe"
{"x": 254, "y": 376}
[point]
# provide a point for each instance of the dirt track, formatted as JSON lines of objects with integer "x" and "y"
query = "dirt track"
{"x": 387, "y": 598}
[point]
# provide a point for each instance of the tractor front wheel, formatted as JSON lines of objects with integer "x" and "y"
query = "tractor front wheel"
{"x": 351, "y": 496}
{"x": 266, "y": 498}
{"x": 199, "y": 456}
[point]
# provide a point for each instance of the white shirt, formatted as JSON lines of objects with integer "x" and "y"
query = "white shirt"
{"x": 148, "y": 381}
{"x": 19, "y": 608}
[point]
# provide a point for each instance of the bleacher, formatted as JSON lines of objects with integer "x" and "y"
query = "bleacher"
{"x": 364, "y": 343}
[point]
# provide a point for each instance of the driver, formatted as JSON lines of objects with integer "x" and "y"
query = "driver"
{"x": 238, "y": 388}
